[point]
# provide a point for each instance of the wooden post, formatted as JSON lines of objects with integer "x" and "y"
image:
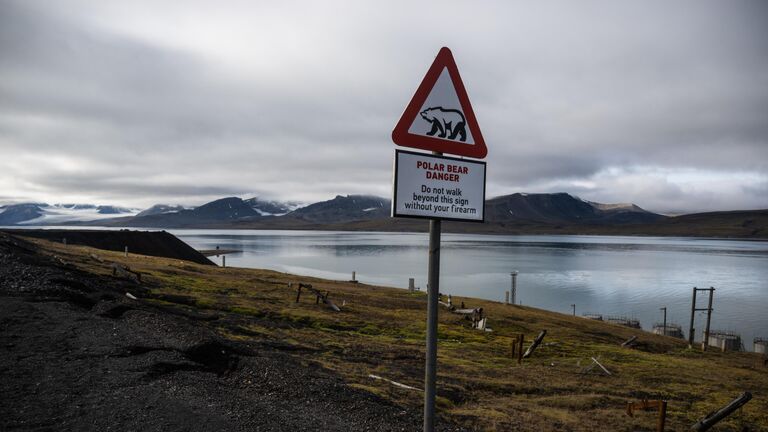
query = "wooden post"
{"x": 664, "y": 332}
{"x": 705, "y": 342}
{"x": 712, "y": 418}
{"x": 535, "y": 344}
{"x": 506, "y": 297}
{"x": 574, "y": 309}
{"x": 662, "y": 416}
{"x": 629, "y": 342}
{"x": 223, "y": 260}
{"x": 693, "y": 315}
{"x": 298, "y": 294}
{"x": 353, "y": 276}
{"x": 520, "y": 349}
{"x": 514, "y": 346}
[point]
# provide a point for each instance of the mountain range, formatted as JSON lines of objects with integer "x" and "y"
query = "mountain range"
{"x": 517, "y": 213}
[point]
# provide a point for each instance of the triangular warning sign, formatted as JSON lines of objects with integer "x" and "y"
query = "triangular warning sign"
{"x": 439, "y": 117}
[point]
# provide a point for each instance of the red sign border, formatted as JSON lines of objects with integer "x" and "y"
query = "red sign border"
{"x": 400, "y": 134}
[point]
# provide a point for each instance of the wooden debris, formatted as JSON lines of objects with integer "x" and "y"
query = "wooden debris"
{"x": 476, "y": 315}
{"x": 466, "y": 311}
{"x": 592, "y": 366}
{"x": 648, "y": 405}
{"x": 629, "y": 343}
{"x": 318, "y": 296}
{"x": 535, "y": 344}
{"x": 714, "y": 417}
{"x": 481, "y": 324}
{"x": 126, "y": 272}
{"x": 394, "y": 383}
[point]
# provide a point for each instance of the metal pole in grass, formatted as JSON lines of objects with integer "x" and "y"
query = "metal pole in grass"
{"x": 430, "y": 371}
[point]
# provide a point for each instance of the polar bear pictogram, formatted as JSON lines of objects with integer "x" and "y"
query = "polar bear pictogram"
{"x": 450, "y": 123}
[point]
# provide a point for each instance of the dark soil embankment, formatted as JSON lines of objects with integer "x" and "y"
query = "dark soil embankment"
{"x": 153, "y": 243}
{"x": 77, "y": 354}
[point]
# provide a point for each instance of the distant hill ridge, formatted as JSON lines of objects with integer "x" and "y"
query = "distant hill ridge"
{"x": 563, "y": 208}
{"x": 543, "y": 208}
{"x": 514, "y": 213}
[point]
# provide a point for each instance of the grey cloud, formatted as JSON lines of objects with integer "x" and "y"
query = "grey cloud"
{"x": 562, "y": 92}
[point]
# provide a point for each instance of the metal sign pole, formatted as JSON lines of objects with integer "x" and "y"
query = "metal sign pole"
{"x": 430, "y": 372}
{"x": 433, "y": 277}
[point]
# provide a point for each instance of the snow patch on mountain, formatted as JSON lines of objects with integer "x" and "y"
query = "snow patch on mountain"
{"x": 64, "y": 213}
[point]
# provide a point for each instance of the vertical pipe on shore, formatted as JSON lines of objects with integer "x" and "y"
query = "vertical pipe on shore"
{"x": 430, "y": 371}
{"x": 513, "y": 294}
{"x": 693, "y": 313}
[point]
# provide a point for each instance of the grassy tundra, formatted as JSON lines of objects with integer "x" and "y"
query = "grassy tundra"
{"x": 381, "y": 331}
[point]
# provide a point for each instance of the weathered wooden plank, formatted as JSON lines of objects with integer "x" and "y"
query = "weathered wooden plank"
{"x": 714, "y": 417}
{"x": 535, "y": 344}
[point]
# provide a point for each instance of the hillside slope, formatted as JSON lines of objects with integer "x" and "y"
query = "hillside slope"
{"x": 380, "y": 332}
{"x": 79, "y": 355}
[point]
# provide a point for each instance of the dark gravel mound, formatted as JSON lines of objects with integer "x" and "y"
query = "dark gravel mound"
{"x": 152, "y": 243}
{"x": 77, "y": 354}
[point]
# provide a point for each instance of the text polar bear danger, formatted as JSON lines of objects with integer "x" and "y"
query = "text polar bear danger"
{"x": 446, "y": 123}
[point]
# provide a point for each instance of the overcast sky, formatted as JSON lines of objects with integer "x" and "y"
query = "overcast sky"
{"x": 664, "y": 104}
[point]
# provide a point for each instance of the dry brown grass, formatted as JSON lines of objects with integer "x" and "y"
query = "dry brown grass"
{"x": 381, "y": 331}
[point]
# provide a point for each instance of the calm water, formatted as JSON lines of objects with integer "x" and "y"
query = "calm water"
{"x": 628, "y": 276}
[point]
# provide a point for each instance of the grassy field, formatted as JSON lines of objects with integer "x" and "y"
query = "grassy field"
{"x": 381, "y": 331}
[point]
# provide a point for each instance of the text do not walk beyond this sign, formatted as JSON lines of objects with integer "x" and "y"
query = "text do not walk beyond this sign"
{"x": 438, "y": 187}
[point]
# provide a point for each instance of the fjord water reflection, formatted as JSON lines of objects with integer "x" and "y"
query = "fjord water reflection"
{"x": 629, "y": 276}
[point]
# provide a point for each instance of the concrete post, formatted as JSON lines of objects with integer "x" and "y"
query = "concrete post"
{"x": 353, "y": 276}
{"x": 64, "y": 240}
{"x": 223, "y": 260}
{"x": 411, "y": 284}
{"x": 126, "y": 251}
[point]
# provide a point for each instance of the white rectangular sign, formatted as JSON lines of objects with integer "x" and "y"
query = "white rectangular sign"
{"x": 438, "y": 187}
